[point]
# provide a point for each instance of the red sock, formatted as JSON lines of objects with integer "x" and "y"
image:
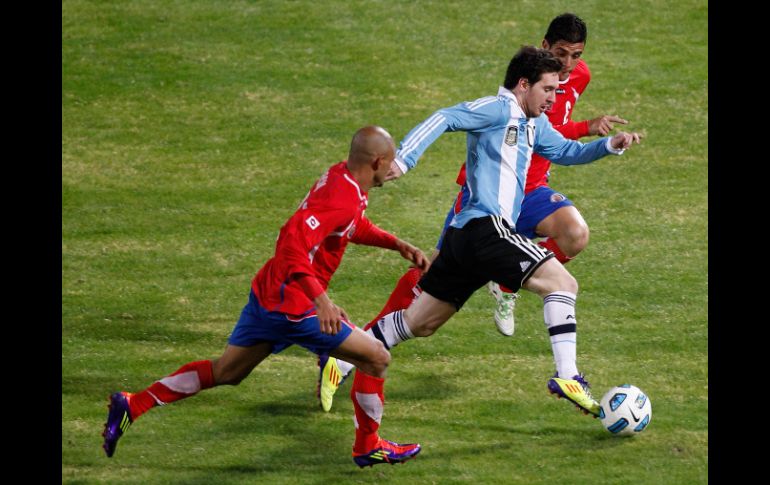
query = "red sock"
{"x": 505, "y": 289}
{"x": 185, "y": 382}
{"x": 402, "y": 296}
{"x": 551, "y": 244}
{"x": 368, "y": 397}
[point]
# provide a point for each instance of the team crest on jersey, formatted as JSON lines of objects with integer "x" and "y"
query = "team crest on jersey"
{"x": 312, "y": 222}
{"x": 560, "y": 91}
{"x": 512, "y": 135}
{"x": 557, "y": 197}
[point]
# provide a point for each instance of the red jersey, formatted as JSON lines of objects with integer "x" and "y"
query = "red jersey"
{"x": 560, "y": 116}
{"x": 313, "y": 240}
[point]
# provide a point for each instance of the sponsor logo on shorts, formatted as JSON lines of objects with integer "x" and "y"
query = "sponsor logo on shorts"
{"x": 557, "y": 197}
{"x": 524, "y": 265}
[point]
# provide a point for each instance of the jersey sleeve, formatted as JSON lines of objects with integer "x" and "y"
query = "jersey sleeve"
{"x": 573, "y": 129}
{"x": 303, "y": 233}
{"x": 309, "y": 285}
{"x": 369, "y": 234}
{"x": 467, "y": 116}
{"x": 553, "y": 146}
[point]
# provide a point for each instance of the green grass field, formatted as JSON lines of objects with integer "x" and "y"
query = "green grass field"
{"x": 190, "y": 132}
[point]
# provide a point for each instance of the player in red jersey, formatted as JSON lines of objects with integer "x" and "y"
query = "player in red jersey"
{"x": 545, "y": 213}
{"x": 288, "y": 304}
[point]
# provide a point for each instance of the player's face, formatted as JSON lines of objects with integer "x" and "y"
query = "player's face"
{"x": 382, "y": 171}
{"x": 569, "y": 54}
{"x": 541, "y": 95}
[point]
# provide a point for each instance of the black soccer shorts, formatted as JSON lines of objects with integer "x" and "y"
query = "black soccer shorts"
{"x": 485, "y": 249}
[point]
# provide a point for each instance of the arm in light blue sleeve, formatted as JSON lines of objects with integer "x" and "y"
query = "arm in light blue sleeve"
{"x": 552, "y": 145}
{"x": 469, "y": 116}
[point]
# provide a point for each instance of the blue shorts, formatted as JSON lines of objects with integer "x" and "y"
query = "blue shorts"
{"x": 257, "y": 325}
{"x": 536, "y": 206}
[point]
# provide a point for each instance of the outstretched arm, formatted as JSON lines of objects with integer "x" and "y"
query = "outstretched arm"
{"x": 623, "y": 140}
{"x": 598, "y": 126}
{"x": 369, "y": 234}
{"x": 413, "y": 255}
{"x": 467, "y": 116}
{"x": 552, "y": 145}
{"x": 604, "y": 124}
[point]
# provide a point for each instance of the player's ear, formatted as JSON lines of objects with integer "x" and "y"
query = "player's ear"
{"x": 546, "y": 45}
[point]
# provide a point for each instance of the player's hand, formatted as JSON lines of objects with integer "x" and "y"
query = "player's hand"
{"x": 413, "y": 255}
{"x": 394, "y": 172}
{"x": 604, "y": 124}
{"x": 329, "y": 315}
{"x": 623, "y": 140}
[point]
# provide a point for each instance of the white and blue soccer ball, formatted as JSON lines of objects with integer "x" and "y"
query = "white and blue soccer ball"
{"x": 625, "y": 410}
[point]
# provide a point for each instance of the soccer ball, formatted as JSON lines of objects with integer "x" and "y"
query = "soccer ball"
{"x": 625, "y": 410}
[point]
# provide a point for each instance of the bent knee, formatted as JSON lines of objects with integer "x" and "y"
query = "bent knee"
{"x": 574, "y": 239}
{"x": 376, "y": 360}
{"x": 381, "y": 356}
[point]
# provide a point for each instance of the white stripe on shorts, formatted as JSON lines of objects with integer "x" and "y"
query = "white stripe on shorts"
{"x": 525, "y": 245}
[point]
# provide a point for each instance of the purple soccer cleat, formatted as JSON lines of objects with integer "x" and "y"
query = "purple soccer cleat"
{"x": 118, "y": 421}
{"x": 387, "y": 452}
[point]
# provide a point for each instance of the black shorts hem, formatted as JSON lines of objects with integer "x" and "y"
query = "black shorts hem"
{"x": 535, "y": 266}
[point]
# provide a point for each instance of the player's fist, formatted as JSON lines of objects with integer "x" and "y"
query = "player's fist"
{"x": 329, "y": 315}
{"x": 394, "y": 172}
{"x": 623, "y": 140}
{"x": 413, "y": 255}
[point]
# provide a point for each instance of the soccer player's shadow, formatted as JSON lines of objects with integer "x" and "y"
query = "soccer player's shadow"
{"x": 421, "y": 387}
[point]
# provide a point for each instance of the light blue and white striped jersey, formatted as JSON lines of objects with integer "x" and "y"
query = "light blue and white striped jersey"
{"x": 500, "y": 142}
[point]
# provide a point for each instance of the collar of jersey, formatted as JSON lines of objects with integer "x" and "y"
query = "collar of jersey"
{"x": 354, "y": 183}
{"x": 516, "y": 111}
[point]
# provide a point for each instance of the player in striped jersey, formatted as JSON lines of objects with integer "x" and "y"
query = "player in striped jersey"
{"x": 482, "y": 244}
{"x": 288, "y": 305}
{"x": 545, "y": 213}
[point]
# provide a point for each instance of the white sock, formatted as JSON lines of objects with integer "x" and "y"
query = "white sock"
{"x": 559, "y": 315}
{"x": 391, "y": 329}
{"x": 345, "y": 367}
